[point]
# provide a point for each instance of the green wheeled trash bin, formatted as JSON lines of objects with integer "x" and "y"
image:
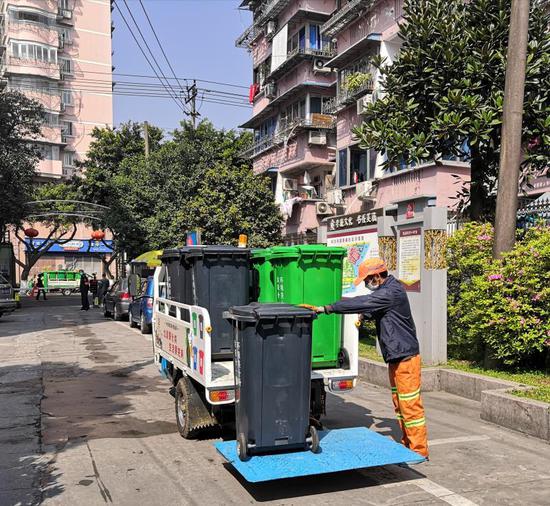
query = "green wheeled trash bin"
{"x": 263, "y": 276}
{"x": 312, "y": 274}
{"x": 272, "y": 358}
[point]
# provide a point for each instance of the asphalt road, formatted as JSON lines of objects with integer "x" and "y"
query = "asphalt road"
{"x": 86, "y": 419}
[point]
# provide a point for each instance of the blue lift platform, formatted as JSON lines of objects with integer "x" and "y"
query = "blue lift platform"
{"x": 341, "y": 450}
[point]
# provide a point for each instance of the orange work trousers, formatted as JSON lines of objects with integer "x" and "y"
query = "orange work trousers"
{"x": 405, "y": 389}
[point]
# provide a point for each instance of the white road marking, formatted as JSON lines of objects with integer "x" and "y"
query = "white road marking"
{"x": 462, "y": 439}
{"x": 436, "y": 490}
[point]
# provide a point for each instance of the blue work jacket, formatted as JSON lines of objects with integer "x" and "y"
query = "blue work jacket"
{"x": 389, "y": 307}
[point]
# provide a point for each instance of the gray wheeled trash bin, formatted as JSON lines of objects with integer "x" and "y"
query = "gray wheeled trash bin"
{"x": 272, "y": 354}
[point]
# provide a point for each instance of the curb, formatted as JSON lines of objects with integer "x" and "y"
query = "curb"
{"x": 497, "y": 405}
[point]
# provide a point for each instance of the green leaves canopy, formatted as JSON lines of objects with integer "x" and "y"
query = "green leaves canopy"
{"x": 20, "y": 121}
{"x": 445, "y": 91}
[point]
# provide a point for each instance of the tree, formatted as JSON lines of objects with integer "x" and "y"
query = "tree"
{"x": 20, "y": 121}
{"x": 103, "y": 164}
{"x": 197, "y": 180}
{"x": 444, "y": 92}
{"x": 57, "y": 216}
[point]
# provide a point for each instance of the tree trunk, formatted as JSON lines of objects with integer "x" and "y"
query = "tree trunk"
{"x": 477, "y": 191}
{"x": 32, "y": 258}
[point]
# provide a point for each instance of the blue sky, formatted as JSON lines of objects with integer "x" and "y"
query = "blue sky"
{"x": 198, "y": 37}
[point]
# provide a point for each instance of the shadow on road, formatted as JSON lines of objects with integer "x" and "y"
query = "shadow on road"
{"x": 50, "y": 408}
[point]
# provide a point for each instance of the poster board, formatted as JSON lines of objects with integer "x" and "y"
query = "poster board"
{"x": 409, "y": 266}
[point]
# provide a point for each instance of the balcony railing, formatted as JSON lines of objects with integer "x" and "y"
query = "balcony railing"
{"x": 287, "y": 129}
{"x": 294, "y": 57}
{"x": 346, "y": 97}
{"x": 266, "y": 12}
{"x": 344, "y": 16}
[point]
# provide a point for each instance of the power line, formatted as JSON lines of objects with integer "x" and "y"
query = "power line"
{"x": 149, "y": 49}
{"x": 143, "y": 52}
{"x": 158, "y": 42}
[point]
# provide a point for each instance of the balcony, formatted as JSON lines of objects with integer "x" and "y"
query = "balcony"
{"x": 344, "y": 16}
{"x": 288, "y": 129}
{"x": 28, "y": 66}
{"x": 266, "y": 12}
{"x": 299, "y": 54}
{"x": 348, "y": 96}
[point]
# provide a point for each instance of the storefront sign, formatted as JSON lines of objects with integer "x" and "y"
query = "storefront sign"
{"x": 409, "y": 256}
{"x": 73, "y": 246}
{"x": 349, "y": 221}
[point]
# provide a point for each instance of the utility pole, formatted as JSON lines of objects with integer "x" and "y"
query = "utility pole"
{"x": 512, "y": 117}
{"x": 146, "y": 138}
{"x": 192, "y": 98}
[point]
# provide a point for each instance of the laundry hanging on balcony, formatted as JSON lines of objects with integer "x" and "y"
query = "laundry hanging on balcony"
{"x": 254, "y": 90}
{"x": 288, "y": 205}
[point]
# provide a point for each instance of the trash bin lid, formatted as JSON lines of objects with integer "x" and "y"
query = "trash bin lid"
{"x": 321, "y": 250}
{"x": 257, "y": 311}
{"x": 215, "y": 250}
{"x": 261, "y": 254}
{"x": 285, "y": 252}
{"x": 177, "y": 253}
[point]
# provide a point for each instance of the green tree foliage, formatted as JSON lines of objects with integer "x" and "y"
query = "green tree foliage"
{"x": 194, "y": 180}
{"x": 500, "y": 307}
{"x": 445, "y": 91}
{"x": 20, "y": 120}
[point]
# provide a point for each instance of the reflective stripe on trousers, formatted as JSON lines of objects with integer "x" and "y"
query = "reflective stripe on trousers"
{"x": 405, "y": 378}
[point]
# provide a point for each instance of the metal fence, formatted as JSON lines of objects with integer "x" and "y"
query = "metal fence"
{"x": 534, "y": 213}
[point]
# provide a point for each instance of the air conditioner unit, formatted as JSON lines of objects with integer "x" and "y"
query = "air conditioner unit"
{"x": 317, "y": 137}
{"x": 271, "y": 27}
{"x": 290, "y": 184}
{"x": 335, "y": 197}
{"x": 363, "y": 103}
{"x": 364, "y": 191}
{"x": 319, "y": 66}
{"x": 270, "y": 90}
{"x": 323, "y": 209}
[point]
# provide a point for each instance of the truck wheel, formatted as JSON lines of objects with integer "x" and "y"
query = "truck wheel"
{"x": 192, "y": 414}
{"x": 314, "y": 439}
{"x": 66, "y": 292}
{"x": 144, "y": 326}
{"x": 242, "y": 447}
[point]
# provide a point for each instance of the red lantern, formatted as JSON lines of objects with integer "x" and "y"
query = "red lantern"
{"x": 97, "y": 235}
{"x": 31, "y": 232}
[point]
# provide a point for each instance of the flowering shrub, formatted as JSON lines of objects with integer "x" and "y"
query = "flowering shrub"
{"x": 500, "y": 306}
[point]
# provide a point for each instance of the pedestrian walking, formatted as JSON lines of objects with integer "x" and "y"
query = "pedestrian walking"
{"x": 84, "y": 287}
{"x": 93, "y": 289}
{"x": 388, "y": 306}
{"x": 40, "y": 286}
{"x": 102, "y": 288}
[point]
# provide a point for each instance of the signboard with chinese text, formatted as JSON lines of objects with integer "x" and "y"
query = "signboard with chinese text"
{"x": 409, "y": 258}
{"x": 358, "y": 234}
{"x": 73, "y": 246}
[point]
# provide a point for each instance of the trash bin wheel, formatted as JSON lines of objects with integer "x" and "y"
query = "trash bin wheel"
{"x": 314, "y": 439}
{"x": 242, "y": 447}
{"x": 67, "y": 292}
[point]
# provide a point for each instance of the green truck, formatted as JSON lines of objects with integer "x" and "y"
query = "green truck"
{"x": 65, "y": 282}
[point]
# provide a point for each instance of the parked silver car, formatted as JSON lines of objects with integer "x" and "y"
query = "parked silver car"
{"x": 7, "y": 300}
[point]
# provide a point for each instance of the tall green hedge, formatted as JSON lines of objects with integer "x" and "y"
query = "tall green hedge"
{"x": 499, "y": 308}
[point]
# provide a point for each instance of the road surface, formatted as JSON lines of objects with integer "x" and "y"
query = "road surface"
{"x": 85, "y": 419}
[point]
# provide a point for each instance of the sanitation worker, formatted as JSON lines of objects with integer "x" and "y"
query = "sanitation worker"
{"x": 388, "y": 306}
{"x": 84, "y": 287}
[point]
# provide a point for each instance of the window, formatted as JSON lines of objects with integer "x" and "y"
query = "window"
{"x": 66, "y": 66}
{"x": 317, "y": 104}
{"x": 266, "y": 129}
{"x": 356, "y": 165}
{"x": 67, "y": 128}
{"x": 65, "y": 34}
{"x": 48, "y": 152}
{"x": 31, "y": 16}
{"x": 33, "y": 51}
{"x": 67, "y": 97}
{"x": 292, "y": 112}
{"x": 343, "y": 167}
{"x": 51, "y": 119}
{"x": 68, "y": 159}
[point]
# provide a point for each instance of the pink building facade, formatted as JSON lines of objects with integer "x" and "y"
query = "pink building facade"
{"x": 312, "y": 80}
{"x": 59, "y": 53}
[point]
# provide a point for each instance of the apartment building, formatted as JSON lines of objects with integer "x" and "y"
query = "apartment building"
{"x": 59, "y": 53}
{"x": 312, "y": 81}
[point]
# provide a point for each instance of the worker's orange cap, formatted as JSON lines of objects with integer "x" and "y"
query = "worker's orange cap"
{"x": 370, "y": 267}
